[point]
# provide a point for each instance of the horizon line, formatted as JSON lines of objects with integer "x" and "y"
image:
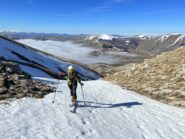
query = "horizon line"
{"x": 95, "y": 33}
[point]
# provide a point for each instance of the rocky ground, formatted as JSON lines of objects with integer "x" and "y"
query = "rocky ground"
{"x": 16, "y": 84}
{"x": 161, "y": 78}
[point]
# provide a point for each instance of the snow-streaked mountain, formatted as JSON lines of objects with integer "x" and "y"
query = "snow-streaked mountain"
{"x": 110, "y": 37}
{"x": 38, "y": 63}
{"x": 142, "y": 44}
{"x": 105, "y": 37}
{"x": 110, "y": 113}
{"x": 171, "y": 40}
{"x": 163, "y": 38}
{"x": 143, "y": 37}
{"x": 178, "y": 39}
{"x": 101, "y": 37}
{"x": 161, "y": 44}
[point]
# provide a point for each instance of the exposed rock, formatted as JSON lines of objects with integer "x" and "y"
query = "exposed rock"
{"x": 95, "y": 53}
{"x": 161, "y": 78}
{"x": 16, "y": 84}
{"x": 3, "y": 90}
{"x": 2, "y": 81}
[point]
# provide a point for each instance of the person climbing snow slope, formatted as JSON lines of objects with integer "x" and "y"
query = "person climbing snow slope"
{"x": 72, "y": 78}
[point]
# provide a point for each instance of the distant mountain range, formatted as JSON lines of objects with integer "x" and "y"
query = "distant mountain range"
{"x": 43, "y": 36}
{"x": 139, "y": 44}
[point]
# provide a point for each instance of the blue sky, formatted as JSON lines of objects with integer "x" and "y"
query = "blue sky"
{"x": 93, "y": 16}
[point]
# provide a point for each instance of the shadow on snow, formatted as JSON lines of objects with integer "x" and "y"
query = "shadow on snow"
{"x": 104, "y": 105}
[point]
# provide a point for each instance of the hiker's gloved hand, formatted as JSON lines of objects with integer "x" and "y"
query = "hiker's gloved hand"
{"x": 61, "y": 74}
{"x": 81, "y": 84}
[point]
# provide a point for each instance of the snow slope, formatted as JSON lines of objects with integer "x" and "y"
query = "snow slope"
{"x": 111, "y": 113}
{"x": 28, "y": 57}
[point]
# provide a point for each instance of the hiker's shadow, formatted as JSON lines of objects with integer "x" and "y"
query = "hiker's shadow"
{"x": 104, "y": 105}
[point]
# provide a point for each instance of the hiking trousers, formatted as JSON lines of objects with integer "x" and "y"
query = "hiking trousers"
{"x": 73, "y": 88}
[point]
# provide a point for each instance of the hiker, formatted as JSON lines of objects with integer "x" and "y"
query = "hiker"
{"x": 72, "y": 78}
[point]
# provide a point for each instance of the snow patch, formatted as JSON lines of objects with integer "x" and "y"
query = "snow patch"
{"x": 143, "y": 37}
{"x": 92, "y": 37}
{"x": 101, "y": 37}
{"x": 105, "y": 37}
{"x": 111, "y": 112}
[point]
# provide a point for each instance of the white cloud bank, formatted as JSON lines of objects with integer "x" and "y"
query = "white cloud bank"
{"x": 70, "y": 50}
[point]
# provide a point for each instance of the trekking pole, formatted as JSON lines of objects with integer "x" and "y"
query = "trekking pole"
{"x": 55, "y": 91}
{"x": 83, "y": 94}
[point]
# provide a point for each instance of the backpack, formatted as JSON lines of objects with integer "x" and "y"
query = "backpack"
{"x": 71, "y": 75}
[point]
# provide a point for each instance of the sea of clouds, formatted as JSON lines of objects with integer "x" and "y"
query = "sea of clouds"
{"x": 71, "y": 51}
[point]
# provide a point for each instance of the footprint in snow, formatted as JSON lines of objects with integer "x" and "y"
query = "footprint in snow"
{"x": 92, "y": 111}
{"x": 84, "y": 121}
{"x": 89, "y": 132}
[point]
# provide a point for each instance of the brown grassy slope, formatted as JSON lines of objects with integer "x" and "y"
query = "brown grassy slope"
{"x": 161, "y": 78}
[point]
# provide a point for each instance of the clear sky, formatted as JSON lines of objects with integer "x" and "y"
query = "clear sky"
{"x": 93, "y": 16}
